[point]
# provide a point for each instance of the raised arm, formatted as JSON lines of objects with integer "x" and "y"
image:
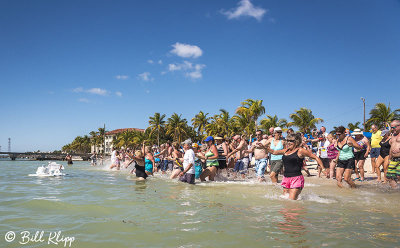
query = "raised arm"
{"x": 307, "y": 153}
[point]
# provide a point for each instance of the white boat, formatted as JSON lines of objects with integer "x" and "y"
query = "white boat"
{"x": 51, "y": 170}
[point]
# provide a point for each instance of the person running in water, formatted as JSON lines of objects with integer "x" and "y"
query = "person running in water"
{"x": 293, "y": 157}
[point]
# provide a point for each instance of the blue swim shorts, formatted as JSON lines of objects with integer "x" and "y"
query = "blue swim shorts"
{"x": 260, "y": 166}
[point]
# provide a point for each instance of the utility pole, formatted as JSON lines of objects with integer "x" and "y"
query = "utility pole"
{"x": 9, "y": 144}
{"x": 104, "y": 140}
{"x": 363, "y": 99}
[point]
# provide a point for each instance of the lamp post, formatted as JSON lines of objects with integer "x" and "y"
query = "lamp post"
{"x": 363, "y": 99}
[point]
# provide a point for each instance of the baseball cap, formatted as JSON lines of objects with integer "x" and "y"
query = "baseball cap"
{"x": 277, "y": 129}
{"x": 209, "y": 138}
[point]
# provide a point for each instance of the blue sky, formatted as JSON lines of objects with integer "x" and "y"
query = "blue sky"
{"x": 68, "y": 67}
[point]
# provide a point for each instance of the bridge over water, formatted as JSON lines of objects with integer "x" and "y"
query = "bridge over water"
{"x": 44, "y": 156}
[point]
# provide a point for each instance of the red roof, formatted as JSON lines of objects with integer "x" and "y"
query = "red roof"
{"x": 117, "y": 131}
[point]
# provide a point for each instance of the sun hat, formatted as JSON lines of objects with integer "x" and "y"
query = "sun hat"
{"x": 384, "y": 132}
{"x": 209, "y": 138}
{"x": 218, "y": 138}
{"x": 277, "y": 129}
{"x": 357, "y": 131}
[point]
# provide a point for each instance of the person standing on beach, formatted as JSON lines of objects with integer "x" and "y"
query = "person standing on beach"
{"x": 383, "y": 158}
{"x": 332, "y": 155}
{"x": 211, "y": 157}
{"x": 293, "y": 159}
{"x": 393, "y": 174}
{"x": 175, "y": 157}
{"x": 360, "y": 154}
{"x": 323, "y": 144}
{"x": 276, "y": 143}
{"x": 242, "y": 156}
{"x": 375, "y": 147}
{"x": 259, "y": 147}
{"x": 188, "y": 173}
{"x": 222, "y": 152}
{"x": 346, "y": 163}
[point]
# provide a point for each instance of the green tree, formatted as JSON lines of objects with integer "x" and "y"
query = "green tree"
{"x": 157, "y": 124}
{"x": 272, "y": 121}
{"x": 200, "y": 121}
{"x": 304, "y": 120}
{"x": 381, "y": 115}
{"x": 220, "y": 124}
{"x": 252, "y": 110}
{"x": 353, "y": 126}
{"x": 176, "y": 127}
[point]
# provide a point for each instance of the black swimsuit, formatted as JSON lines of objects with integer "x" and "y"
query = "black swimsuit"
{"x": 385, "y": 148}
{"x": 292, "y": 164}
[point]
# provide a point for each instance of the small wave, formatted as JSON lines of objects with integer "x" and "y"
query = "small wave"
{"x": 185, "y": 204}
{"x": 191, "y": 213}
{"x": 316, "y": 198}
{"x": 189, "y": 229}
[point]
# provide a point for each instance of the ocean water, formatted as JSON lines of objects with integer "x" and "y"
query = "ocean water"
{"x": 101, "y": 208}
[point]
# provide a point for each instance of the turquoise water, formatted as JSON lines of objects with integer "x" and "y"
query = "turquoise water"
{"x": 101, "y": 208}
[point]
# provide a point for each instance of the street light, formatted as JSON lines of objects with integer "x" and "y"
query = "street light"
{"x": 363, "y": 99}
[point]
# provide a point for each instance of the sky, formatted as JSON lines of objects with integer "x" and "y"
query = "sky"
{"x": 69, "y": 67}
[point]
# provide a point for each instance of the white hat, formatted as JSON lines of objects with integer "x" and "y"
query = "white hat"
{"x": 357, "y": 131}
{"x": 277, "y": 129}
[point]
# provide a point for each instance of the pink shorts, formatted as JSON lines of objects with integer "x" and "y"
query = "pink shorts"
{"x": 293, "y": 182}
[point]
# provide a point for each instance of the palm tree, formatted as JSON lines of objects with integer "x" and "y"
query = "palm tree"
{"x": 221, "y": 124}
{"x": 177, "y": 127}
{"x": 304, "y": 120}
{"x": 253, "y": 108}
{"x": 272, "y": 121}
{"x": 200, "y": 121}
{"x": 157, "y": 123}
{"x": 353, "y": 126}
{"x": 381, "y": 115}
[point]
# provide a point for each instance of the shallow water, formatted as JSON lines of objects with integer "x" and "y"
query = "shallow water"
{"x": 102, "y": 208}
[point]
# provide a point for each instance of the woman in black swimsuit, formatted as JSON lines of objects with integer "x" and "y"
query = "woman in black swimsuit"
{"x": 293, "y": 158}
{"x": 383, "y": 158}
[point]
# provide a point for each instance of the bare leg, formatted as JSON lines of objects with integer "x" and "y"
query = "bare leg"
{"x": 332, "y": 166}
{"x": 339, "y": 175}
{"x": 356, "y": 169}
{"x": 385, "y": 168}
{"x": 373, "y": 162}
{"x": 347, "y": 178}
{"x": 205, "y": 174}
{"x": 175, "y": 173}
{"x": 361, "y": 169}
{"x": 213, "y": 172}
{"x": 378, "y": 164}
{"x": 274, "y": 177}
{"x": 294, "y": 194}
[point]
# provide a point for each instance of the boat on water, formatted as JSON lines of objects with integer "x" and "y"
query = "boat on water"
{"x": 51, "y": 170}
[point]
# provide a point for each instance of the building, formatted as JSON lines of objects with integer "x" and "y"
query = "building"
{"x": 110, "y": 137}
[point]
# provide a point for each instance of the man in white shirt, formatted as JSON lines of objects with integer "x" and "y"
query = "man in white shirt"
{"x": 188, "y": 173}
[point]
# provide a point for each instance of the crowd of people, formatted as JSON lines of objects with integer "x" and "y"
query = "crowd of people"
{"x": 338, "y": 155}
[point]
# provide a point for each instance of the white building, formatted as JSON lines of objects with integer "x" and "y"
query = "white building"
{"x": 110, "y": 137}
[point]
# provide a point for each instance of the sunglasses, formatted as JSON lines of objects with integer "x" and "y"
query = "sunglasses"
{"x": 290, "y": 140}
{"x": 338, "y": 134}
{"x": 394, "y": 126}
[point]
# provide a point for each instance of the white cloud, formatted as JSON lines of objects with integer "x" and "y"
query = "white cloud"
{"x": 97, "y": 91}
{"x": 118, "y": 93}
{"x": 150, "y": 61}
{"x": 122, "y": 77}
{"x": 145, "y": 76}
{"x": 77, "y": 90}
{"x": 245, "y": 8}
{"x": 83, "y": 100}
{"x": 186, "y": 50}
{"x": 193, "y": 71}
{"x": 160, "y": 62}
